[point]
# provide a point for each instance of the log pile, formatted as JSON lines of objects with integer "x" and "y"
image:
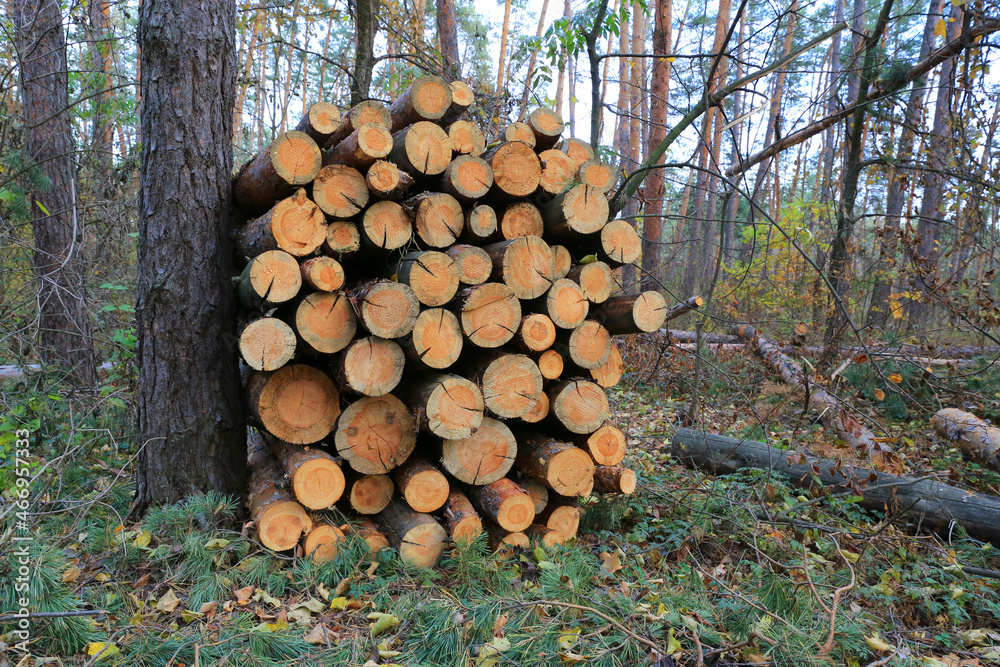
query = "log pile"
{"x": 423, "y": 347}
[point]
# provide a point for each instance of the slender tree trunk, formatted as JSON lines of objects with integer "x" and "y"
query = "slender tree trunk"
{"x": 192, "y": 430}
{"x": 531, "y": 62}
{"x": 447, "y": 26}
{"x": 364, "y": 57}
{"x": 712, "y": 195}
{"x": 63, "y": 322}
{"x": 878, "y": 311}
{"x": 503, "y": 48}
{"x": 286, "y": 92}
{"x": 637, "y": 84}
{"x": 938, "y": 158}
{"x": 652, "y": 225}
{"x": 100, "y": 58}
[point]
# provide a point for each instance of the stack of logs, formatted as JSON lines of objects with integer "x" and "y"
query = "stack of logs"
{"x": 428, "y": 327}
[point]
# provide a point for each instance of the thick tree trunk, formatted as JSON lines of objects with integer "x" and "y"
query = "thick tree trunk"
{"x": 652, "y": 226}
{"x": 191, "y": 418}
{"x": 63, "y": 321}
{"x": 447, "y": 26}
{"x": 366, "y": 12}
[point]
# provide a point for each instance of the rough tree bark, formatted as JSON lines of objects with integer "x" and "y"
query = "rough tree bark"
{"x": 652, "y": 226}
{"x": 192, "y": 433}
{"x": 447, "y": 26}
{"x": 365, "y": 18}
{"x": 63, "y": 322}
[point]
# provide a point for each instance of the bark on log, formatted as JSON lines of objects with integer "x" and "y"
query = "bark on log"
{"x": 560, "y": 466}
{"x": 323, "y": 274}
{"x": 375, "y": 434}
{"x": 340, "y": 191}
{"x": 295, "y": 224}
{"x": 316, "y": 479}
{"x": 438, "y": 218}
{"x": 926, "y": 502}
{"x": 292, "y": 159}
{"x": 543, "y": 536}
{"x": 325, "y": 322}
{"x": 364, "y": 113}
{"x": 267, "y": 344}
{"x": 368, "y": 494}
{"x": 362, "y": 148}
{"x": 524, "y": 264}
{"x": 632, "y": 313}
{"x": 489, "y": 314}
{"x": 520, "y": 219}
{"x": 467, "y": 178}
{"x": 342, "y": 238}
{"x": 614, "y": 480}
{"x": 386, "y": 309}
{"x": 578, "y": 212}
{"x": 504, "y": 502}
{"x": 428, "y": 98}
{"x": 517, "y": 171}
{"x": 432, "y": 275}
{"x": 422, "y": 149}
{"x": 386, "y": 226}
{"x": 270, "y": 278}
{"x": 464, "y": 524}
{"x": 296, "y": 403}
{"x": 564, "y": 303}
{"x": 539, "y": 493}
{"x": 280, "y": 520}
{"x": 483, "y": 457}
{"x": 480, "y": 224}
{"x": 547, "y": 126}
{"x": 322, "y": 542}
{"x": 367, "y": 530}
{"x": 595, "y": 279}
{"x": 537, "y": 333}
{"x": 834, "y": 414}
{"x": 975, "y": 438}
{"x": 597, "y": 174}
{"x": 418, "y": 537}
{"x": 436, "y": 340}
{"x": 581, "y": 407}
{"x": 422, "y": 486}
{"x": 467, "y": 138}
{"x": 558, "y": 171}
{"x": 448, "y": 406}
{"x": 370, "y": 366}
{"x": 473, "y": 263}
{"x": 683, "y": 308}
{"x": 320, "y": 122}
{"x": 511, "y": 383}
{"x": 386, "y": 181}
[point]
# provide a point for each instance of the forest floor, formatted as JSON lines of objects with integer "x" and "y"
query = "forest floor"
{"x": 692, "y": 570}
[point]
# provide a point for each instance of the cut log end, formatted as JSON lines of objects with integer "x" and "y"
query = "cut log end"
{"x": 436, "y": 340}
{"x": 423, "y": 487}
{"x": 296, "y": 157}
{"x": 560, "y": 466}
{"x": 511, "y": 384}
{"x": 595, "y": 279}
{"x": 521, "y": 219}
{"x": 375, "y": 434}
{"x": 388, "y": 309}
{"x": 536, "y": 333}
{"x": 518, "y": 132}
{"x": 551, "y": 364}
{"x": 295, "y": 224}
{"x": 468, "y": 178}
{"x": 433, "y": 276}
{"x": 483, "y": 457}
{"x": 370, "y": 494}
{"x": 342, "y": 238}
{"x": 422, "y": 148}
{"x": 372, "y": 366}
{"x": 320, "y": 121}
{"x": 419, "y": 539}
{"x": 579, "y": 151}
{"x": 517, "y": 171}
{"x": 296, "y": 403}
{"x": 370, "y": 533}
{"x": 558, "y": 171}
{"x": 281, "y": 524}
{"x": 480, "y": 223}
{"x": 581, "y": 407}
{"x": 452, "y": 406}
{"x": 633, "y": 313}
{"x": 547, "y": 126}
{"x": 610, "y": 373}
{"x": 438, "y": 220}
{"x": 267, "y": 344}
{"x": 539, "y": 412}
{"x": 590, "y": 345}
{"x": 322, "y": 543}
{"x": 525, "y": 265}
{"x": 563, "y": 261}
{"x": 545, "y": 537}
{"x": 620, "y": 243}
{"x": 340, "y": 191}
{"x": 580, "y": 210}
{"x": 614, "y": 480}
{"x": 386, "y": 225}
{"x": 464, "y": 523}
{"x": 564, "y": 519}
{"x": 323, "y": 274}
{"x": 467, "y": 138}
{"x": 382, "y": 178}
{"x": 606, "y": 445}
{"x": 539, "y": 493}
{"x": 272, "y": 277}
{"x": 474, "y": 265}
{"x": 325, "y": 321}
{"x": 490, "y": 314}
{"x": 566, "y": 304}
{"x": 504, "y": 502}
{"x": 597, "y": 175}
{"x": 317, "y": 479}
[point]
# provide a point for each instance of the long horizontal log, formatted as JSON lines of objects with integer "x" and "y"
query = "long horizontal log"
{"x": 926, "y": 502}
{"x": 977, "y": 439}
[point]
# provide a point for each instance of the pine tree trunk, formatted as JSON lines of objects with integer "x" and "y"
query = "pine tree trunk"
{"x": 447, "y": 27}
{"x": 191, "y": 415}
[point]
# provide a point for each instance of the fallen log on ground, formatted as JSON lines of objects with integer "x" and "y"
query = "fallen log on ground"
{"x": 977, "y": 439}
{"x": 811, "y": 351}
{"x": 926, "y": 502}
{"x": 833, "y": 413}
